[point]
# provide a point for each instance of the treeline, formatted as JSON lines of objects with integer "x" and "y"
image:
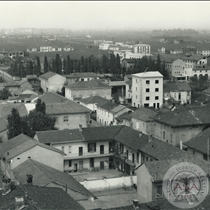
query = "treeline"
{"x": 65, "y": 66}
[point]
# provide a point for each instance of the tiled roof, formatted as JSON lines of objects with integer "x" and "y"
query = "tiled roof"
{"x": 44, "y": 175}
{"x": 3, "y": 125}
{"x": 108, "y": 106}
{"x": 185, "y": 116}
{"x": 11, "y": 83}
{"x": 126, "y": 116}
{"x": 55, "y": 136}
{"x": 174, "y": 87}
{"x": 144, "y": 114}
{"x": 69, "y": 107}
{"x": 92, "y": 84}
{"x": 200, "y": 142}
{"x": 52, "y": 98}
{"x": 118, "y": 108}
{"x": 100, "y": 133}
{"x": 94, "y": 100}
{"x": 48, "y": 75}
{"x": 116, "y": 83}
{"x": 81, "y": 75}
{"x": 26, "y": 144}
{"x": 39, "y": 198}
{"x": 149, "y": 74}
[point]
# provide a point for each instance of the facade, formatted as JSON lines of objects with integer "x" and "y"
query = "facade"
{"x": 46, "y": 49}
{"x": 205, "y": 52}
{"x": 176, "y": 51}
{"x": 147, "y": 89}
{"x": 179, "y": 92}
{"x": 128, "y": 63}
{"x": 52, "y": 82}
{"x": 80, "y": 90}
{"x": 104, "y": 46}
{"x": 142, "y": 49}
{"x": 15, "y": 54}
{"x": 178, "y": 69}
{"x": 128, "y": 90}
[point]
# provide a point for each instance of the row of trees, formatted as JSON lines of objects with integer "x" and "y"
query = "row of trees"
{"x": 37, "y": 120}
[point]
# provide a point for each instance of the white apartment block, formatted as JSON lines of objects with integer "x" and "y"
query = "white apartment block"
{"x": 46, "y": 49}
{"x": 147, "y": 89}
{"x": 142, "y": 49}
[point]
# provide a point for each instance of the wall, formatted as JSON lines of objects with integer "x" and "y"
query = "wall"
{"x": 56, "y": 83}
{"x": 144, "y": 185}
{"x": 143, "y": 126}
{"x": 104, "y": 117}
{"x": 110, "y": 183}
{"x": 185, "y": 96}
{"x": 42, "y": 155}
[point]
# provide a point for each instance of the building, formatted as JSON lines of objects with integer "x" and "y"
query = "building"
{"x": 128, "y": 63}
{"x": 142, "y": 120}
{"x": 177, "y": 92}
{"x": 22, "y": 147}
{"x": 177, "y": 70}
{"x": 162, "y": 50}
{"x": 81, "y": 76}
{"x": 147, "y": 89}
{"x": 203, "y": 51}
{"x": 142, "y": 49}
{"x": 181, "y": 124}
{"x": 93, "y": 101}
{"x": 79, "y": 90}
{"x": 176, "y": 51}
{"x": 124, "y": 119}
{"x": 14, "y": 54}
{"x": 104, "y": 46}
{"x": 52, "y": 82}
{"x": 128, "y": 91}
{"x": 107, "y": 113}
{"x": 46, "y": 49}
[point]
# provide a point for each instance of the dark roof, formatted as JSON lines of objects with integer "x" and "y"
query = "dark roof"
{"x": 3, "y": 125}
{"x": 81, "y": 75}
{"x": 174, "y": 87}
{"x": 144, "y": 114}
{"x": 44, "y": 175}
{"x": 55, "y": 136}
{"x": 48, "y": 75}
{"x": 92, "y": 84}
{"x": 100, "y": 133}
{"x": 69, "y": 107}
{"x": 39, "y": 198}
{"x": 129, "y": 82}
{"x": 52, "y": 98}
{"x": 94, "y": 100}
{"x": 185, "y": 116}
{"x": 200, "y": 141}
{"x": 124, "y": 116}
{"x": 11, "y": 149}
{"x": 108, "y": 106}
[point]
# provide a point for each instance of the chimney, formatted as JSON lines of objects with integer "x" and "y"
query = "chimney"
{"x": 80, "y": 127}
{"x": 29, "y": 179}
{"x": 140, "y": 133}
{"x": 150, "y": 138}
{"x": 180, "y": 144}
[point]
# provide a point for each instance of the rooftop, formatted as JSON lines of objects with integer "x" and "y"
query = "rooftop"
{"x": 174, "y": 87}
{"x": 48, "y": 75}
{"x": 81, "y": 75}
{"x": 108, "y": 106}
{"x": 144, "y": 114}
{"x": 124, "y": 116}
{"x": 92, "y": 84}
{"x": 149, "y": 74}
{"x": 116, "y": 83}
{"x": 52, "y": 98}
{"x": 94, "y": 100}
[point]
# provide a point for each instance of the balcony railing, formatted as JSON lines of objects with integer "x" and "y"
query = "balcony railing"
{"x": 86, "y": 155}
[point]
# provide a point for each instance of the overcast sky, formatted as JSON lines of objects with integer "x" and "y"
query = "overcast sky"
{"x": 105, "y": 15}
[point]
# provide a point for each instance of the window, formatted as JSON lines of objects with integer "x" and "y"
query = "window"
{"x": 65, "y": 118}
{"x": 147, "y": 90}
{"x": 156, "y": 89}
{"x": 156, "y": 81}
{"x": 69, "y": 149}
{"x": 156, "y": 97}
{"x": 92, "y": 147}
{"x": 147, "y": 82}
{"x": 91, "y": 162}
{"x": 159, "y": 192}
{"x": 163, "y": 134}
{"x": 69, "y": 163}
{"x": 147, "y": 98}
{"x": 136, "y": 88}
{"x": 205, "y": 156}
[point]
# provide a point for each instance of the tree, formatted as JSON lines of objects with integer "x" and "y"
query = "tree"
{"x": 38, "y": 66}
{"x": 40, "y": 106}
{"x": 45, "y": 64}
{"x": 30, "y": 67}
{"x": 14, "y": 124}
{"x": 64, "y": 66}
{"x": 68, "y": 65}
{"x": 4, "y": 94}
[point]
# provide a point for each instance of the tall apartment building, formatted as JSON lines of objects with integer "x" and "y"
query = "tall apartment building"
{"x": 142, "y": 49}
{"x": 147, "y": 89}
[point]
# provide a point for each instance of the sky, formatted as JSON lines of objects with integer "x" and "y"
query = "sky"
{"x": 105, "y": 14}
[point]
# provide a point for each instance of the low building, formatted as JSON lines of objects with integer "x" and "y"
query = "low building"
{"x": 3, "y": 130}
{"x": 142, "y": 49}
{"x": 80, "y": 90}
{"x": 124, "y": 119}
{"x": 52, "y": 82}
{"x": 176, "y": 51}
{"x": 45, "y": 48}
{"x": 177, "y": 92}
{"x": 128, "y": 63}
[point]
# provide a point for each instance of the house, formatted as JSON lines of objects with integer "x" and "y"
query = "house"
{"x": 15, "y": 53}
{"x": 142, "y": 120}
{"x": 177, "y": 70}
{"x": 107, "y": 113}
{"x": 68, "y": 48}
{"x": 79, "y": 90}
{"x": 22, "y": 147}
{"x": 51, "y": 178}
{"x": 45, "y": 48}
{"x": 199, "y": 145}
{"x": 142, "y": 49}
{"x": 203, "y": 51}
{"x": 128, "y": 63}
{"x": 12, "y": 86}
{"x": 34, "y": 197}
{"x": 86, "y": 148}
{"x": 128, "y": 91}
{"x": 124, "y": 119}
{"x": 176, "y": 51}
{"x": 81, "y": 76}
{"x": 24, "y": 85}
{"x": 181, "y": 124}
{"x": 22, "y": 98}
{"x": 52, "y": 82}
{"x": 147, "y": 89}
{"x": 179, "y": 92}
{"x": 162, "y": 50}
{"x": 30, "y": 92}
{"x": 93, "y": 101}
{"x": 150, "y": 177}
{"x": 104, "y": 46}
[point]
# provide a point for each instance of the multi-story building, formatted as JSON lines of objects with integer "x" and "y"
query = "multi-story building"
{"x": 46, "y": 49}
{"x": 147, "y": 89}
{"x": 142, "y": 49}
